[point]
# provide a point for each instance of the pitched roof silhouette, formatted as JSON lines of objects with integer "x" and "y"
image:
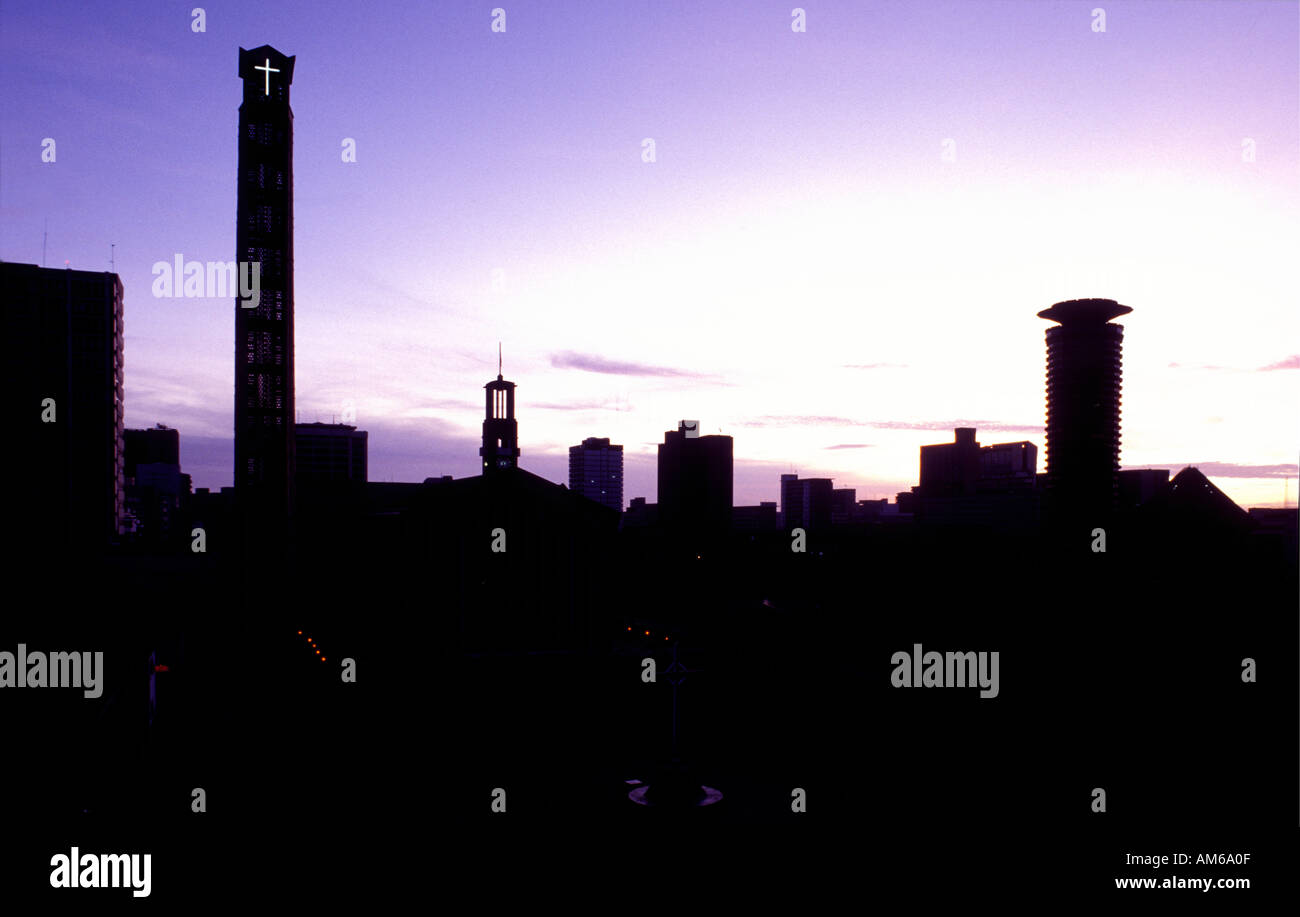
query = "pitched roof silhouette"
{"x": 1191, "y": 500}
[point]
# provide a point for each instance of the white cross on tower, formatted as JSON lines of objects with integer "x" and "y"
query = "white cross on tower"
{"x": 269, "y": 70}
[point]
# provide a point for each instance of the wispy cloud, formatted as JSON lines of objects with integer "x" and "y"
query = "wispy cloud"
{"x": 991, "y": 426}
{"x": 436, "y": 409}
{"x": 591, "y": 363}
{"x": 801, "y": 420}
{"x": 1291, "y": 362}
{"x": 1230, "y": 469}
{"x": 814, "y": 420}
{"x": 582, "y": 406}
{"x": 851, "y": 446}
{"x": 875, "y": 365}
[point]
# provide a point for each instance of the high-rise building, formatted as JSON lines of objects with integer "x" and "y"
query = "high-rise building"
{"x": 65, "y": 381}
{"x": 806, "y": 502}
{"x": 157, "y": 493}
{"x": 754, "y": 519}
{"x": 264, "y": 365}
{"x": 596, "y": 471}
{"x": 965, "y": 484}
{"x": 1138, "y": 485}
{"x": 695, "y": 482}
{"x": 949, "y": 469}
{"x": 1005, "y": 465}
{"x": 844, "y": 505}
{"x": 964, "y": 467}
{"x": 1084, "y": 373}
{"x": 640, "y": 514}
{"x": 789, "y": 489}
{"x": 329, "y": 452}
{"x": 157, "y": 445}
{"x": 500, "y": 447}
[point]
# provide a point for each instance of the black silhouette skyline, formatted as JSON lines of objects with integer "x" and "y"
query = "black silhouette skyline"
{"x": 540, "y": 673}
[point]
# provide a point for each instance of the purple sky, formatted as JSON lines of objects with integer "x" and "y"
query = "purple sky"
{"x": 799, "y": 267}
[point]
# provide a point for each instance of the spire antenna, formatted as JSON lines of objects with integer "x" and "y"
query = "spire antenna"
{"x": 498, "y": 358}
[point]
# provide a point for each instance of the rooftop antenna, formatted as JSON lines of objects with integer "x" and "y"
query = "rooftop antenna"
{"x": 498, "y": 359}
{"x": 45, "y": 238}
{"x": 112, "y": 257}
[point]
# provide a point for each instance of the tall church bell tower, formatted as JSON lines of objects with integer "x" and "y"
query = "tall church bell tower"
{"x": 500, "y": 431}
{"x": 264, "y": 391}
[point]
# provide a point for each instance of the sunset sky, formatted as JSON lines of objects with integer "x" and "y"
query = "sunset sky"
{"x": 800, "y": 267}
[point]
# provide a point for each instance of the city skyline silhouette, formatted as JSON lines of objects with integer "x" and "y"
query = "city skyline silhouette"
{"x": 403, "y": 333}
{"x": 819, "y": 499}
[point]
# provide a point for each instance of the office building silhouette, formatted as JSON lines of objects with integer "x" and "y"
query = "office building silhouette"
{"x": 1008, "y": 465}
{"x": 1083, "y": 410}
{"x": 157, "y": 493}
{"x": 329, "y": 452}
{"x": 965, "y": 484}
{"x": 596, "y": 471}
{"x": 67, "y": 329}
{"x": 963, "y": 467}
{"x": 695, "y": 483}
{"x": 806, "y": 502}
{"x": 755, "y": 519}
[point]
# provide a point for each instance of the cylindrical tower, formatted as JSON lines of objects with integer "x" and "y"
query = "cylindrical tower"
{"x": 1084, "y": 375}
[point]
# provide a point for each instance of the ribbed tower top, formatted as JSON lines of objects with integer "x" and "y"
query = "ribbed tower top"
{"x": 1085, "y": 311}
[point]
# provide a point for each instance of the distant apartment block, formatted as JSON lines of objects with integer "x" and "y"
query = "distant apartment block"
{"x": 754, "y": 519}
{"x": 964, "y": 484}
{"x": 1138, "y": 485}
{"x": 695, "y": 481}
{"x": 596, "y": 471}
{"x": 157, "y": 493}
{"x": 65, "y": 389}
{"x": 806, "y": 502}
{"x": 844, "y": 506}
{"x": 641, "y": 514}
{"x": 962, "y": 467}
{"x": 330, "y": 452}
